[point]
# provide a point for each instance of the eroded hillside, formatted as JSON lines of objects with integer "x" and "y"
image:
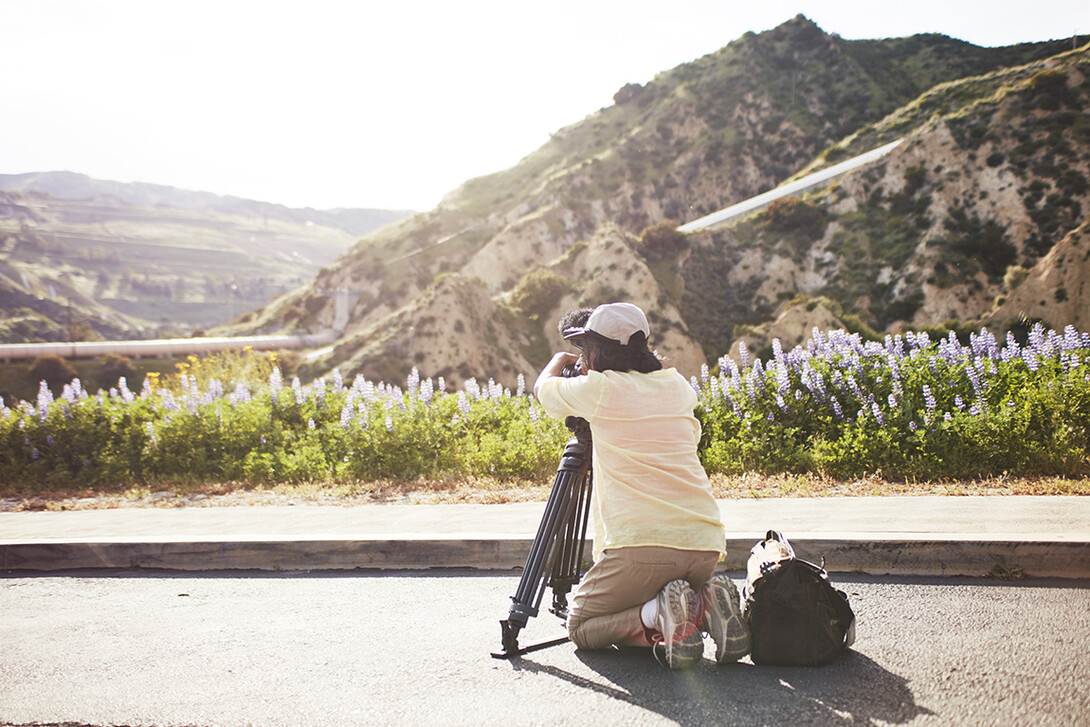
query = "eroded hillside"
{"x": 884, "y": 244}
{"x": 993, "y": 173}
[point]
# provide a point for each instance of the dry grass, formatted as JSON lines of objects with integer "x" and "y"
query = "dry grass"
{"x": 755, "y": 485}
{"x": 490, "y": 491}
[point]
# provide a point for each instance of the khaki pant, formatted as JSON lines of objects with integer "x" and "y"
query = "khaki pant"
{"x": 606, "y": 604}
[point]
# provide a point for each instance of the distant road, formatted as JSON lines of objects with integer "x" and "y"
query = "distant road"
{"x": 162, "y": 346}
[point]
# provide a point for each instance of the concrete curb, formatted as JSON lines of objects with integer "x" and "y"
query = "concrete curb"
{"x": 877, "y": 554}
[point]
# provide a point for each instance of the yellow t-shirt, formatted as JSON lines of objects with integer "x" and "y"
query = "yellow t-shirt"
{"x": 649, "y": 485}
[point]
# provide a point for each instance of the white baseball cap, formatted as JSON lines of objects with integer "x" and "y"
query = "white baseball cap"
{"x": 615, "y": 321}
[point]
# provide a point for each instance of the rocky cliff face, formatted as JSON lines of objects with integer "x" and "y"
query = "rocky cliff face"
{"x": 1055, "y": 290}
{"x": 923, "y": 237}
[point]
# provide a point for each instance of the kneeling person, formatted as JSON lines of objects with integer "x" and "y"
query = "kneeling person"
{"x": 657, "y": 531}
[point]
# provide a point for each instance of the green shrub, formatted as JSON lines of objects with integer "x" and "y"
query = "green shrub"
{"x": 538, "y": 292}
{"x": 114, "y": 366}
{"x": 954, "y": 405}
{"x": 795, "y": 215}
{"x": 662, "y": 241}
{"x": 53, "y": 370}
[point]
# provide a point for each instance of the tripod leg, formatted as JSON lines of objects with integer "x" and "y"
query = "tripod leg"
{"x": 527, "y": 598}
{"x": 552, "y": 534}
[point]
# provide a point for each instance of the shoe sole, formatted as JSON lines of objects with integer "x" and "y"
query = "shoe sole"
{"x": 725, "y": 623}
{"x": 682, "y": 641}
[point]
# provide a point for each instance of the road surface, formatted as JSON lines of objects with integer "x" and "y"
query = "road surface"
{"x": 354, "y": 648}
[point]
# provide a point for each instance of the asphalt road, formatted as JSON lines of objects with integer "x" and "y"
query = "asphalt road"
{"x": 364, "y": 648}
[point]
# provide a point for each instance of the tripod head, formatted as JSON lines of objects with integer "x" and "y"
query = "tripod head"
{"x": 579, "y": 427}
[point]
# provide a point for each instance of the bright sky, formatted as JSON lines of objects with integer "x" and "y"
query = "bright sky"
{"x": 378, "y": 103}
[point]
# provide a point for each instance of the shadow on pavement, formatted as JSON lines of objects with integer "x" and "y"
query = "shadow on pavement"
{"x": 853, "y": 690}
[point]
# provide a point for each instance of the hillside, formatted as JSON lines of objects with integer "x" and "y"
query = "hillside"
{"x": 993, "y": 174}
{"x": 693, "y": 140}
{"x": 84, "y": 258}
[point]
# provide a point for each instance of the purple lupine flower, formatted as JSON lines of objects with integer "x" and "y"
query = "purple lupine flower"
{"x": 947, "y": 416}
{"x": 35, "y": 454}
{"x": 241, "y": 393}
{"x": 743, "y": 354}
{"x": 346, "y": 415}
{"x": 151, "y": 434}
{"x": 338, "y": 382}
{"x": 714, "y": 388}
{"x": 836, "y": 409}
{"x": 912, "y": 426}
{"x": 974, "y": 376}
{"x": 310, "y": 422}
{"x": 959, "y": 402}
{"x": 521, "y": 384}
{"x": 854, "y": 386}
{"x": 929, "y": 400}
{"x": 877, "y": 411}
{"x": 274, "y": 385}
{"x": 1012, "y": 349}
{"x": 71, "y": 392}
{"x": 389, "y": 423}
{"x": 45, "y": 398}
{"x": 894, "y": 367}
{"x": 783, "y": 381}
{"x": 1030, "y": 359}
{"x": 1037, "y": 339}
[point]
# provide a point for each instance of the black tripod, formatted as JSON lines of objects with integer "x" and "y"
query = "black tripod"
{"x": 557, "y": 553}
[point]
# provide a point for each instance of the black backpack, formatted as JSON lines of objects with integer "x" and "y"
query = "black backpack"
{"x": 796, "y": 616}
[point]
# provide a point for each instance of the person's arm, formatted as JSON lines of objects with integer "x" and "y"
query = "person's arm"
{"x": 554, "y": 368}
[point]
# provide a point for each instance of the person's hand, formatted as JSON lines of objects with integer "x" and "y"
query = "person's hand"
{"x": 561, "y": 359}
{"x": 555, "y": 367}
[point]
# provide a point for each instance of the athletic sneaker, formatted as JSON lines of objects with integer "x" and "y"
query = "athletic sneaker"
{"x": 679, "y": 614}
{"x": 724, "y": 622}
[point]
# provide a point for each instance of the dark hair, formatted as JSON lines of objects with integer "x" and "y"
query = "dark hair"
{"x": 603, "y": 354}
{"x": 574, "y": 319}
